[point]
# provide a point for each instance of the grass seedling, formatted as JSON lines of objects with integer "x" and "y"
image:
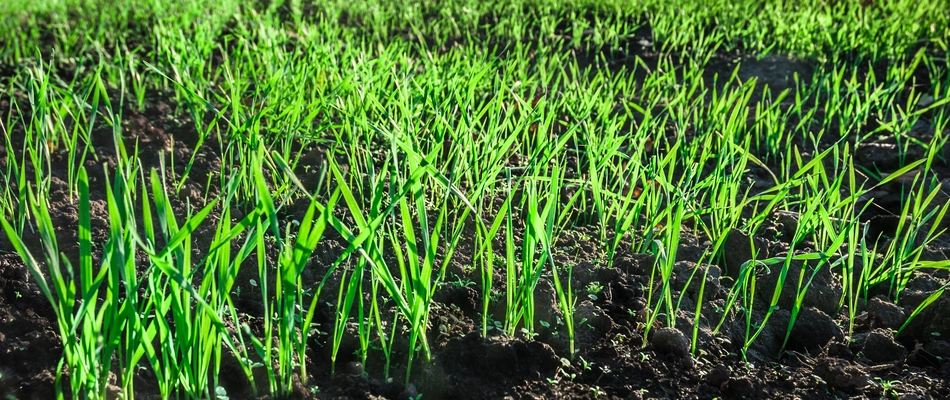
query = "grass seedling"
{"x": 489, "y": 127}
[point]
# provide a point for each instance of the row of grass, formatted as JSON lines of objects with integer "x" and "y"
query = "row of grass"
{"x": 827, "y": 30}
{"x": 508, "y": 123}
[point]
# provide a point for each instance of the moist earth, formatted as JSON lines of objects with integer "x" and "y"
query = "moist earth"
{"x": 819, "y": 358}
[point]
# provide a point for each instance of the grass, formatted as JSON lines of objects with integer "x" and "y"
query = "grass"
{"x": 506, "y": 124}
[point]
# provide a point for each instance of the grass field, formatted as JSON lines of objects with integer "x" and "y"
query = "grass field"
{"x": 470, "y": 199}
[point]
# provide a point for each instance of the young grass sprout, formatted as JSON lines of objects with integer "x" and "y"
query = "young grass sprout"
{"x": 247, "y": 188}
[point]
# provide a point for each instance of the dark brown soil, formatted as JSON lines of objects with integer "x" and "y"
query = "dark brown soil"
{"x": 614, "y": 360}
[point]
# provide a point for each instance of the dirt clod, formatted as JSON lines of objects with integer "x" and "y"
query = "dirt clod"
{"x": 671, "y": 340}
{"x": 813, "y": 330}
{"x": 743, "y": 388}
{"x": 879, "y": 346}
{"x": 884, "y": 311}
{"x": 739, "y": 249}
{"x": 841, "y": 374}
{"x": 409, "y": 393}
{"x": 718, "y": 376}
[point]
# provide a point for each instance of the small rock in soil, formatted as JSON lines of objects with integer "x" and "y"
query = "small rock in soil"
{"x": 813, "y": 330}
{"x": 888, "y": 314}
{"x": 671, "y": 340}
{"x": 880, "y": 346}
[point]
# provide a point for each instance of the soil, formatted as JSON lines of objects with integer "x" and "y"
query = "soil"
{"x": 820, "y": 360}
